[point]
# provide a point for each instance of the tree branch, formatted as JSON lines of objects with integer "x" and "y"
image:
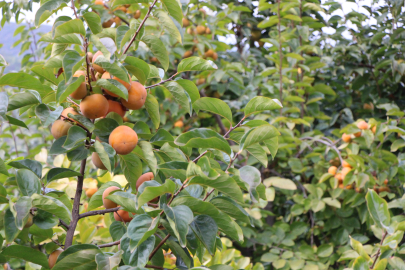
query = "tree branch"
{"x": 159, "y": 246}
{"x": 61, "y": 222}
{"x": 379, "y": 249}
{"x": 139, "y": 28}
{"x": 327, "y": 144}
{"x": 76, "y": 204}
{"x": 98, "y": 212}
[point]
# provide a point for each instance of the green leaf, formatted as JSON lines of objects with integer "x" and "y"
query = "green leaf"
{"x": 46, "y": 73}
{"x": 105, "y": 262}
{"x": 124, "y": 199}
{"x": 27, "y": 254}
{"x": 3, "y": 104}
{"x": 152, "y": 189}
{"x": 148, "y": 156}
{"x": 32, "y": 165}
{"x": 71, "y": 63}
{"x": 51, "y": 205}
{"x": 224, "y": 222}
{"x": 205, "y": 229}
{"x": 251, "y": 176}
{"x": 106, "y": 154}
{"x": 378, "y": 209}
{"x": 292, "y": 17}
{"x": 78, "y": 257}
{"x": 179, "y": 218}
{"x": 28, "y": 183}
{"x": 113, "y": 68}
{"x": 58, "y": 173}
{"x": 174, "y": 9}
{"x": 152, "y": 107}
{"x": 168, "y": 25}
{"x": 139, "y": 68}
{"x": 231, "y": 208}
{"x": 65, "y": 39}
{"x": 113, "y": 86}
{"x": 179, "y": 95}
{"x": 203, "y": 138}
{"x": 279, "y": 182}
{"x": 93, "y": 21}
{"x": 86, "y": 122}
{"x": 360, "y": 264}
{"x": 195, "y": 63}
{"x": 141, "y": 228}
{"x": 325, "y": 250}
{"x": 223, "y": 183}
{"x": 131, "y": 165}
{"x": 214, "y": 105}
{"x": 325, "y": 89}
{"x": 257, "y": 135}
{"x": 176, "y": 169}
{"x": 10, "y": 229}
{"x": 47, "y": 116}
{"x": 47, "y": 9}
{"x": 3, "y": 168}
{"x": 190, "y": 88}
{"x": 140, "y": 256}
{"x": 21, "y": 100}
{"x": 161, "y": 137}
{"x": 64, "y": 90}
{"x": 70, "y": 27}
{"x": 158, "y": 49}
{"x": 26, "y": 81}
{"x": 100, "y": 46}
{"x": 3, "y": 194}
{"x": 272, "y": 145}
{"x": 76, "y": 135}
{"x": 381, "y": 265}
{"x": 358, "y": 247}
{"x": 22, "y": 209}
{"x": 259, "y": 104}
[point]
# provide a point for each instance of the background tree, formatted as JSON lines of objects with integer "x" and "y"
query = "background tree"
{"x": 201, "y": 135}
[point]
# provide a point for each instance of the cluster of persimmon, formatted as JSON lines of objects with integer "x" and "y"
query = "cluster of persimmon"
{"x": 117, "y": 20}
{"x": 346, "y": 168}
{"x": 122, "y": 215}
{"x": 93, "y": 106}
{"x": 363, "y": 125}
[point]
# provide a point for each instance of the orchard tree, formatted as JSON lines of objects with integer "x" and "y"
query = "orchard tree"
{"x": 102, "y": 104}
{"x": 205, "y": 135}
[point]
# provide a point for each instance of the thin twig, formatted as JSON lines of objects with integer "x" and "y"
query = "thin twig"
{"x": 70, "y": 100}
{"x": 139, "y": 28}
{"x": 162, "y": 82}
{"x": 74, "y": 9}
{"x": 110, "y": 244}
{"x": 14, "y": 138}
{"x": 64, "y": 224}
{"x": 99, "y": 212}
{"x": 280, "y": 55}
{"x": 327, "y": 144}
{"x": 159, "y": 246}
{"x": 379, "y": 249}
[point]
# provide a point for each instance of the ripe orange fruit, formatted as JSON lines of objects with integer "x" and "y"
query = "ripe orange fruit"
{"x": 357, "y": 134}
{"x": 345, "y": 171}
{"x": 209, "y": 53}
{"x": 90, "y": 192}
{"x": 108, "y": 204}
{"x": 123, "y": 139}
{"x": 60, "y": 128}
{"x": 137, "y": 14}
{"x": 374, "y": 129}
{"x": 114, "y": 106}
{"x": 94, "y": 106}
{"x": 368, "y": 106}
{"x": 386, "y": 182}
{"x": 346, "y": 137}
{"x": 332, "y": 170}
{"x": 341, "y": 186}
{"x": 200, "y": 29}
{"x": 382, "y": 189}
{"x": 215, "y": 56}
{"x": 136, "y": 96}
{"x": 97, "y": 67}
{"x": 200, "y": 81}
{"x": 339, "y": 177}
{"x": 179, "y": 124}
{"x": 143, "y": 178}
{"x": 70, "y": 110}
{"x": 345, "y": 164}
{"x": 190, "y": 31}
{"x": 107, "y": 75}
{"x": 95, "y": 158}
{"x": 122, "y": 215}
{"x": 99, "y": 2}
{"x": 54, "y": 257}
{"x": 107, "y": 24}
{"x": 208, "y": 31}
{"x": 362, "y": 125}
{"x": 187, "y": 54}
{"x": 186, "y": 22}
{"x": 81, "y": 91}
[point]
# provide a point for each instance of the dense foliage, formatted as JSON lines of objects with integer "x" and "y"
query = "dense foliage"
{"x": 203, "y": 135}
